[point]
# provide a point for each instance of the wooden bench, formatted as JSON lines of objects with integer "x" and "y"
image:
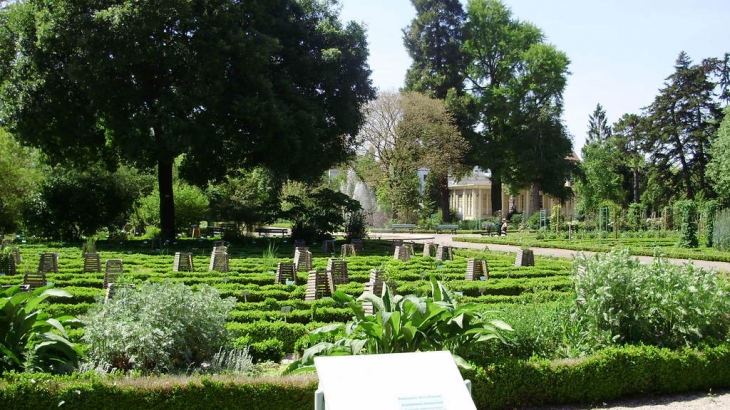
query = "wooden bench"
{"x": 408, "y": 227}
{"x": 267, "y": 231}
{"x": 447, "y": 227}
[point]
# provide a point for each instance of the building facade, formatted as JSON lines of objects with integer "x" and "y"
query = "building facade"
{"x": 471, "y": 198}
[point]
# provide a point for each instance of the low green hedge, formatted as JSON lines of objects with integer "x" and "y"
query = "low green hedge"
{"x": 611, "y": 374}
{"x": 34, "y": 392}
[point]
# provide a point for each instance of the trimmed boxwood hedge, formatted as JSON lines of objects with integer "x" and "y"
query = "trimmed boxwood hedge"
{"x": 614, "y": 373}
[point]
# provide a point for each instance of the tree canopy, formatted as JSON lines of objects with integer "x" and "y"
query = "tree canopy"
{"x": 681, "y": 123}
{"x": 517, "y": 81}
{"x": 229, "y": 84}
{"x": 719, "y": 167}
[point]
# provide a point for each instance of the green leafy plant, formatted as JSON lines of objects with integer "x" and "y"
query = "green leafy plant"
{"x": 621, "y": 300}
{"x": 403, "y": 324}
{"x": 159, "y": 327}
{"x": 30, "y": 338}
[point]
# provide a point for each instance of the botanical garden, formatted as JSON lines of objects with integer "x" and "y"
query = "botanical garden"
{"x": 199, "y": 198}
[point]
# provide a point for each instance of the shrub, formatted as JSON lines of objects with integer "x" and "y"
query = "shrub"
{"x": 635, "y": 219}
{"x": 356, "y": 225}
{"x": 315, "y": 214}
{"x": 191, "y": 206}
{"x": 621, "y": 300}
{"x": 688, "y": 216}
{"x": 721, "y": 231}
{"x": 269, "y": 350}
{"x": 709, "y": 211}
{"x": 160, "y": 327}
{"x": 73, "y": 203}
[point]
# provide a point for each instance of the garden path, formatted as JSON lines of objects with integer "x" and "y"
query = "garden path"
{"x": 447, "y": 240}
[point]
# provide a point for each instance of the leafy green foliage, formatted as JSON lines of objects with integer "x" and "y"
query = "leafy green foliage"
{"x": 403, "y": 324}
{"x": 518, "y": 82}
{"x": 250, "y": 197}
{"x": 191, "y": 207}
{"x": 317, "y": 213}
{"x": 104, "y": 90}
{"x": 721, "y": 230}
{"x": 72, "y": 203}
{"x": 719, "y": 167}
{"x": 160, "y": 327}
{"x": 621, "y": 300}
{"x": 688, "y": 220}
{"x": 356, "y": 225}
{"x": 30, "y": 338}
{"x": 22, "y": 176}
{"x": 636, "y": 217}
{"x": 709, "y": 211}
{"x": 267, "y": 350}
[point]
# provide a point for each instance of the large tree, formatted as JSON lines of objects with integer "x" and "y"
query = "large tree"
{"x": 434, "y": 41}
{"x": 518, "y": 81}
{"x": 626, "y": 139}
{"x": 681, "y": 123}
{"x": 229, "y": 84}
{"x": 719, "y": 167}
{"x": 402, "y": 133}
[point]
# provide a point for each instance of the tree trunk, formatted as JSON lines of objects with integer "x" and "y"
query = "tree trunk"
{"x": 534, "y": 198}
{"x": 444, "y": 189}
{"x": 636, "y": 186}
{"x": 496, "y": 194}
{"x": 167, "y": 202}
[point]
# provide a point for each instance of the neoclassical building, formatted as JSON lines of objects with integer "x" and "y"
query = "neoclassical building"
{"x": 471, "y": 197}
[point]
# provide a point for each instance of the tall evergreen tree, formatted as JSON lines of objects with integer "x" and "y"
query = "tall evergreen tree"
{"x": 598, "y": 128}
{"x": 434, "y": 42}
{"x": 681, "y": 124}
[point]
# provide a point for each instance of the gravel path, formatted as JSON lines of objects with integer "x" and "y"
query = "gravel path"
{"x": 445, "y": 239}
{"x": 697, "y": 401}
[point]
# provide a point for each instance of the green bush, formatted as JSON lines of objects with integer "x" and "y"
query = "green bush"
{"x": 191, "y": 206}
{"x": 269, "y": 350}
{"x": 287, "y": 333}
{"x": 688, "y": 229}
{"x": 709, "y": 212}
{"x": 621, "y": 300}
{"x": 356, "y": 225}
{"x": 160, "y": 327}
{"x": 635, "y": 218}
{"x": 721, "y": 231}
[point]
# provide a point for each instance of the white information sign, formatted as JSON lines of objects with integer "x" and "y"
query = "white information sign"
{"x": 400, "y": 381}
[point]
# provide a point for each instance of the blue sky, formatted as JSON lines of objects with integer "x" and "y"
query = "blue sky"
{"x": 621, "y": 51}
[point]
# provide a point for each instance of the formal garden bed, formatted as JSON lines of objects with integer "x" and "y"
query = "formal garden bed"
{"x": 551, "y": 356}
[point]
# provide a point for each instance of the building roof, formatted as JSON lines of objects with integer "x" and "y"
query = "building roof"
{"x": 476, "y": 178}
